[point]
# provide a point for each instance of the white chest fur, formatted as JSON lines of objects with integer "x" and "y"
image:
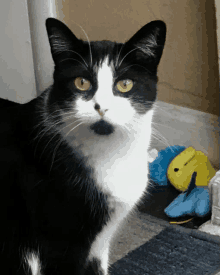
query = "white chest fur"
{"x": 120, "y": 165}
{"x": 121, "y": 170}
{"x": 119, "y": 160}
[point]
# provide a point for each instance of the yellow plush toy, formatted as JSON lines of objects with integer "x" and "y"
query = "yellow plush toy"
{"x": 185, "y": 164}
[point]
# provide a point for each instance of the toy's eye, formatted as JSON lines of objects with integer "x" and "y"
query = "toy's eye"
{"x": 176, "y": 169}
{"x": 125, "y": 86}
{"x": 82, "y": 84}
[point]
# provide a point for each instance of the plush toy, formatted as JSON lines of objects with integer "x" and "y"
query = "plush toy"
{"x": 181, "y": 168}
{"x": 189, "y": 171}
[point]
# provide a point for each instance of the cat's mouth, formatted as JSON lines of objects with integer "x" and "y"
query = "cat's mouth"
{"x": 102, "y": 127}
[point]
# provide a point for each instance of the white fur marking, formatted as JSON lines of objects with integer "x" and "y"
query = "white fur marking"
{"x": 148, "y": 46}
{"x": 120, "y": 160}
{"x": 104, "y": 96}
{"x": 34, "y": 263}
{"x": 101, "y": 246}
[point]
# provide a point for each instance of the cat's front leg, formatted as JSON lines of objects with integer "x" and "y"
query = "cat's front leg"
{"x": 98, "y": 258}
{"x": 97, "y": 267}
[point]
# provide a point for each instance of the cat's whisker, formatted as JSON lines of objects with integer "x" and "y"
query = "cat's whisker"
{"x": 161, "y": 137}
{"x": 77, "y": 120}
{"x": 126, "y": 68}
{"x": 54, "y": 153}
{"x": 151, "y": 184}
{"x": 41, "y": 125}
{"x": 52, "y": 116}
{"x": 44, "y": 120}
{"x": 127, "y": 55}
{"x": 90, "y": 50}
{"x": 47, "y": 117}
{"x": 89, "y": 45}
{"x": 126, "y": 128}
{"x": 61, "y": 140}
{"x": 74, "y": 128}
{"x": 69, "y": 115}
{"x": 154, "y": 123}
{"x": 53, "y": 125}
{"x": 38, "y": 183}
{"x": 155, "y": 131}
{"x": 73, "y": 59}
{"x": 48, "y": 143}
{"x": 158, "y": 138}
{"x": 160, "y": 108}
{"x": 38, "y": 137}
{"x": 119, "y": 55}
{"x": 75, "y": 53}
{"x": 58, "y": 132}
{"x": 157, "y": 135}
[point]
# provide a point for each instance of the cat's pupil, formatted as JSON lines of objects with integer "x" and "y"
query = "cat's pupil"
{"x": 126, "y": 83}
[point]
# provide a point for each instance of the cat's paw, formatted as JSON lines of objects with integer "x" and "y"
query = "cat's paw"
{"x": 95, "y": 268}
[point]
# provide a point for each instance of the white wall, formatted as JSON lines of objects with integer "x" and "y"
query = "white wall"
{"x": 39, "y": 11}
{"x": 17, "y": 79}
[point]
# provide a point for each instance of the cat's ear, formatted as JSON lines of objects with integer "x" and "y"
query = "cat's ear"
{"x": 148, "y": 42}
{"x": 60, "y": 37}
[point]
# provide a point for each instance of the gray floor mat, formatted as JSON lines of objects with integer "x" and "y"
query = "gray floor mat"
{"x": 175, "y": 250}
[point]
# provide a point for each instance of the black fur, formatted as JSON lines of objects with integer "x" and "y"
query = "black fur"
{"x": 102, "y": 127}
{"x": 57, "y": 210}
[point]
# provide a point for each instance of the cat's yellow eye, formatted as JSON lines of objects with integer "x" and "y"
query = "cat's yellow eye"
{"x": 82, "y": 84}
{"x": 125, "y": 86}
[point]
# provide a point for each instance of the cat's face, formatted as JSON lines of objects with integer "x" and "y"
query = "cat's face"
{"x": 105, "y": 85}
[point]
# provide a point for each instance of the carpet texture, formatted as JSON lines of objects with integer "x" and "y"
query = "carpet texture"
{"x": 173, "y": 251}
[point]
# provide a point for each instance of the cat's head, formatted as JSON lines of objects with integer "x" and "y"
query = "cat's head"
{"x": 105, "y": 84}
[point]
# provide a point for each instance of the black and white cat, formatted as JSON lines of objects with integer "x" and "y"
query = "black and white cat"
{"x": 74, "y": 161}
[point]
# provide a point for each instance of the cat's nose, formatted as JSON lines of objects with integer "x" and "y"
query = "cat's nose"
{"x": 97, "y": 107}
{"x": 100, "y": 110}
